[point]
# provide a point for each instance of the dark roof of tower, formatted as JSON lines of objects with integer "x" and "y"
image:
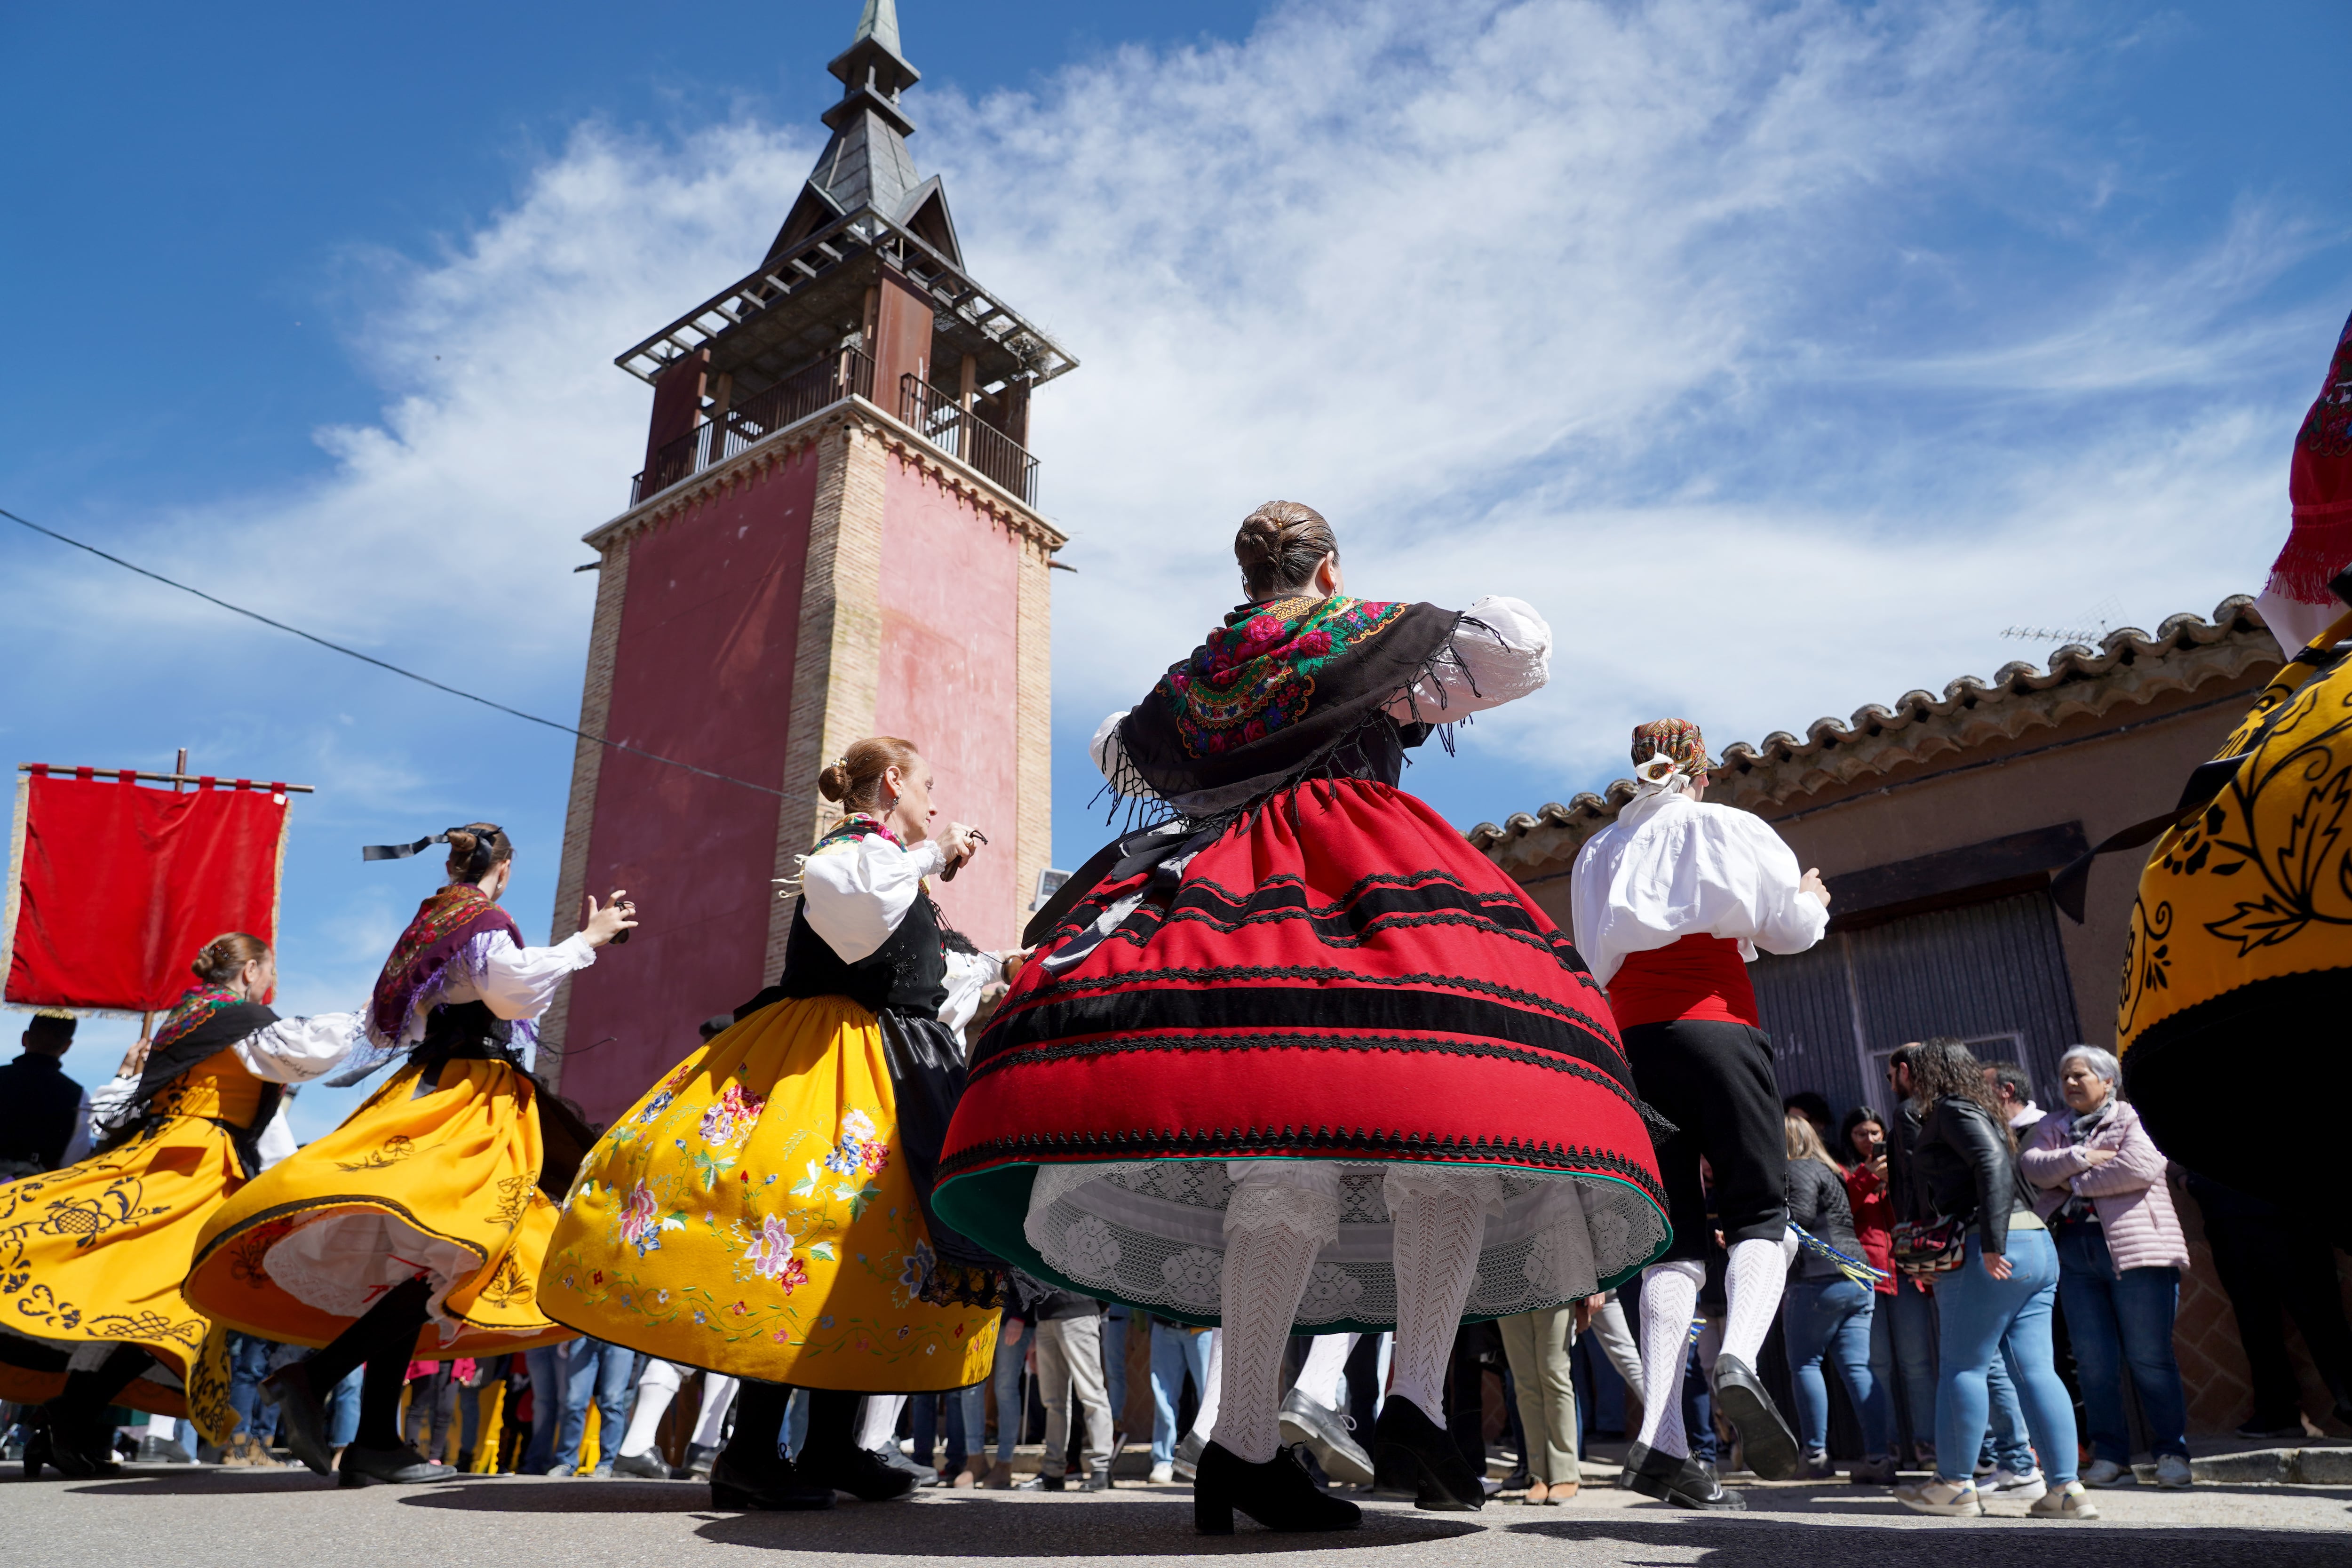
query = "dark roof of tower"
{"x": 866, "y": 164}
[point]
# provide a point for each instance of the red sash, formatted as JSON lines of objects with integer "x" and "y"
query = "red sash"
{"x": 1695, "y": 977}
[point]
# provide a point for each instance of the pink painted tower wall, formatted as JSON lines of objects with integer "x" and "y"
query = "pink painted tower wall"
{"x": 951, "y": 608}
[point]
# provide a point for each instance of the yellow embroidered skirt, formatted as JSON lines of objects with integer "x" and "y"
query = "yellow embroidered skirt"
{"x": 94, "y": 1256}
{"x": 751, "y": 1216}
{"x": 443, "y": 1184}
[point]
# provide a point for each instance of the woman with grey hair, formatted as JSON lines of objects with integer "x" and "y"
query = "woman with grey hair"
{"x": 2099, "y": 1184}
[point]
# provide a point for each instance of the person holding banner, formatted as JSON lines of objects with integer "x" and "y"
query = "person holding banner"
{"x": 418, "y": 1227}
{"x": 92, "y": 1257}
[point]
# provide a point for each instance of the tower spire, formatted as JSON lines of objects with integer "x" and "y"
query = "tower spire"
{"x": 866, "y": 164}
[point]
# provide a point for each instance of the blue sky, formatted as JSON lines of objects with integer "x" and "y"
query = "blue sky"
{"x": 1782, "y": 355}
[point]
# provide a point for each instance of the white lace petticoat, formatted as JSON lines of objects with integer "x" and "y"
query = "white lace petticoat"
{"x": 1153, "y": 1233}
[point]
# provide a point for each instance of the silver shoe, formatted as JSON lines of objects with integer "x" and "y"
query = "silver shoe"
{"x": 1325, "y": 1432}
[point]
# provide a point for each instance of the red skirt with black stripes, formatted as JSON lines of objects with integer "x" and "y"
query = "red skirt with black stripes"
{"x": 1340, "y": 976}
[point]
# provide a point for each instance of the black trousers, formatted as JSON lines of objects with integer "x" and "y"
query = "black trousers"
{"x": 2272, "y": 1264}
{"x": 1713, "y": 1080}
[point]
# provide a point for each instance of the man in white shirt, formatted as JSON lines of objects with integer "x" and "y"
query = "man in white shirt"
{"x": 2015, "y": 1091}
{"x": 1671, "y": 902}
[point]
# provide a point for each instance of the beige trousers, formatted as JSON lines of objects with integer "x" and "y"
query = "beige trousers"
{"x": 1537, "y": 1346}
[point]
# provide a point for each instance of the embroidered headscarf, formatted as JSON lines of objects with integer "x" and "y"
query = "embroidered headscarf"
{"x": 1666, "y": 747}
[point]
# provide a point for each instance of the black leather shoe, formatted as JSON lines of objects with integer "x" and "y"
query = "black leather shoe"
{"x": 1187, "y": 1462}
{"x": 853, "y": 1471}
{"x": 700, "y": 1459}
{"x": 304, "y": 1417}
{"x": 1412, "y": 1454}
{"x": 1765, "y": 1440}
{"x": 79, "y": 1448}
{"x": 644, "y": 1467}
{"x": 775, "y": 1488}
{"x": 400, "y": 1467}
{"x": 1325, "y": 1432}
{"x": 1278, "y": 1494}
{"x": 1684, "y": 1482}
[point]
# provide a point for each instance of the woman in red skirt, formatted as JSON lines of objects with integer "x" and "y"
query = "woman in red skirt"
{"x": 1297, "y": 1054}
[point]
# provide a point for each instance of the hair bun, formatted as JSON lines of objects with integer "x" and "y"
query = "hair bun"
{"x": 461, "y": 843}
{"x": 833, "y": 782}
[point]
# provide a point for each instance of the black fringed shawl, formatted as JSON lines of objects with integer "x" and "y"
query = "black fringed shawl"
{"x": 207, "y": 1020}
{"x": 1278, "y": 692}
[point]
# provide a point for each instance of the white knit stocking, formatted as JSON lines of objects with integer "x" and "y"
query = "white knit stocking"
{"x": 1669, "y": 1301}
{"x": 1327, "y": 1358}
{"x": 717, "y": 1395}
{"x": 1440, "y": 1219}
{"x": 1751, "y": 1288}
{"x": 1204, "y": 1420}
{"x": 1276, "y": 1220}
{"x": 878, "y": 1423}
{"x": 656, "y": 1389}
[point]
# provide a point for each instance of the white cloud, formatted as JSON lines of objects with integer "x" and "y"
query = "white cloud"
{"x": 1781, "y": 353}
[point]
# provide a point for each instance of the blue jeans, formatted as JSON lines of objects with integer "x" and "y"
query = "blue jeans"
{"x": 343, "y": 1410}
{"x": 1831, "y": 1317}
{"x": 606, "y": 1374}
{"x": 2006, "y": 1442}
{"x": 2118, "y": 1319}
{"x": 248, "y": 1363}
{"x": 1984, "y": 1318}
{"x": 965, "y": 1416}
{"x": 1174, "y": 1353}
{"x": 1909, "y": 1316}
{"x": 546, "y": 1368}
{"x": 1011, "y": 1410}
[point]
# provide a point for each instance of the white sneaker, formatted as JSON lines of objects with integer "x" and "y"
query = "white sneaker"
{"x": 2172, "y": 1472}
{"x": 1163, "y": 1475}
{"x": 1956, "y": 1498}
{"x": 2069, "y": 1501}
{"x": 2030, "y": 1487}
{"x": 2107, "y": 1473}
{"x": 1986, "y": 1468}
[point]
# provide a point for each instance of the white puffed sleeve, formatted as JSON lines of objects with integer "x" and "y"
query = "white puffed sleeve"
{"x": 104, "y": 1107}
{"x": 296, "y": 1050}
{"x": 1785, "y": 919}
{"x": 517, "y": 982}
{"x": 1501, "y": 652}
{"x": 969, "y": 974}
{"x": 855, "y": 892}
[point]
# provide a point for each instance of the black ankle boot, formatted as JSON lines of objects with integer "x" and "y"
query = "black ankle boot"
{"x": 749, "y": 1482}
{"x": 1278, "y": 1494}
{"x": 400, "y": 1467}
{"x": 1411, "y": 1453}
{"x": 77, "y": 1445}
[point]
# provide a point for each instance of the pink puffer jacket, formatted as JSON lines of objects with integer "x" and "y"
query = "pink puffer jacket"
{"x": 2134, "y": 1204}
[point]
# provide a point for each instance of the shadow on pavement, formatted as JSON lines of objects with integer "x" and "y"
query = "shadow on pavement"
{"x": 1736, "y": 1541}
{"x": 203, "y": 1483}
{"x": 1091, "y": 1527}
{"x": 485, "y": 1494}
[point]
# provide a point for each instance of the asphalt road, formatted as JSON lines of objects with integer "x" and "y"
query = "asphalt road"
{"x": 188, "y": 1518}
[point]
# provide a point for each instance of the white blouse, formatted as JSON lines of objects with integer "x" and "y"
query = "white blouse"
{"x": 1503, "y": 657}
{"x": 292, "y": 1050}
{"x": 1670, "y": 866}
{"x": 515, "y": 983}
{"x": 855, "y": 893}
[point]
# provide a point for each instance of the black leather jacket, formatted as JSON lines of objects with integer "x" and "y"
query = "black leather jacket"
{"x": 1964, "y": 1168}
{"x": 1817, "y": 1201}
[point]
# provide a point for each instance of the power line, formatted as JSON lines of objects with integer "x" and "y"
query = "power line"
{"x": 380, "y": 664}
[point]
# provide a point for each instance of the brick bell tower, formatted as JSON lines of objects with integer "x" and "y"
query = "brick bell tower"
{"x": 835, "y": 535}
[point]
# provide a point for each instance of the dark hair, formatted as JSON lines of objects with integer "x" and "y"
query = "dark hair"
{"x": 50, "y": 1031}
{"x": 854, "y": 778}
{"x": 1813, "y": 1107}
{"x": 1860, "y": 1114}
{"x": 477, "y": 849}
{"x": 1945, "y": 1068}
{"x": 2011, "y": 1077}
{"x": 223, "y": 957}
{"x": 1901, "y": 1056}
{"x": 1279, "y": 546}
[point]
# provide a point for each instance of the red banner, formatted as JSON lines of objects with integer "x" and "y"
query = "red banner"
{"x": 115, "y": 887}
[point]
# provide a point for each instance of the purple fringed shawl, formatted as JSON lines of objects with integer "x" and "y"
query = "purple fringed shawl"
{"x": 445, "y": 923}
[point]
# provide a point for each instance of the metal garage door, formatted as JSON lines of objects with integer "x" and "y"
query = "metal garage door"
{"x": 1991, "y": 973}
